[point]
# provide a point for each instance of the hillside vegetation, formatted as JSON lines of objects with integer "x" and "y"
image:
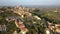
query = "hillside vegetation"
{"x": 35, "y": 20}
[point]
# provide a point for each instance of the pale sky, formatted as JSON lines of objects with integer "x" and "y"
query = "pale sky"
{"x": 29, "y": 2}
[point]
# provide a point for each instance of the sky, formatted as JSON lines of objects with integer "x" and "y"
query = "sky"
{"x": 29, "y": 2}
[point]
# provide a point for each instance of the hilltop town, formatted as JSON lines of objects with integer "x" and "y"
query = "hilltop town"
{"x": 24, "y": 20}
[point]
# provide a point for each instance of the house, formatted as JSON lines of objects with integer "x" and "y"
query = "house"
{"x": 56, "y": 25}
{"x": 47, "y": 31}
{"x": 3, "y": 27}
{"x": 0, "y": 27}
{"x": 58, "y": 30}
{"x": 37, "y": 17}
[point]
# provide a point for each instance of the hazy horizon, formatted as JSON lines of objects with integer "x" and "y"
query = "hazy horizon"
{"x": 30, "y": 2}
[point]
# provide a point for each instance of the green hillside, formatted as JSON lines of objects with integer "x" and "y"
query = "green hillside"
{"x": 33, "y": 24}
